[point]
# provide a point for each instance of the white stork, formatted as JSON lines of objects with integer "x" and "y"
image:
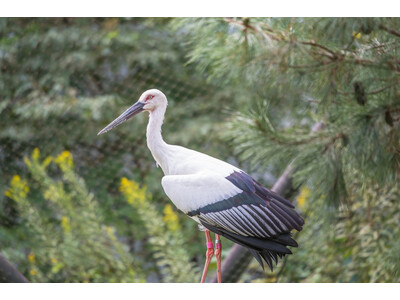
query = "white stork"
{"x": 217, "y": 195}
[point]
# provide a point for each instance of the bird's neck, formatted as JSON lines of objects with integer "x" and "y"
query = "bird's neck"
{"x": 155, "y": 142}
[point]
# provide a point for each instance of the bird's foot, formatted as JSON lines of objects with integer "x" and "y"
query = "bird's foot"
{"x": 209, "y": 254}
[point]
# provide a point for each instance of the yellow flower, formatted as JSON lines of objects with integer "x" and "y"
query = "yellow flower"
{"x": 125, "y": 184}
{"x": 35, "y": 154}
{"x": 65, "y": 160}
{"x": 15, "y": 180}
{"x": 33, "y": 272}
{"x": 47, "y": 161}
{"x": 31, "y": 257}
{"x": 35, "y": 159}
{"x": 171, "y": 218}
{"x": 65, "y": 224}
{"x": 18, "y": 188}
{"x": 54, "y": 260}
{"x": 304, "y": 193}
{"x": 132, "y": 191}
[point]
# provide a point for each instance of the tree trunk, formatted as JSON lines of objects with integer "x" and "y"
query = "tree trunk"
{"x": 8, "y": 273}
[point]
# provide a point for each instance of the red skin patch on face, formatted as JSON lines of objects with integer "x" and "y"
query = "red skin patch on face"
{"x": 149, "y": 97}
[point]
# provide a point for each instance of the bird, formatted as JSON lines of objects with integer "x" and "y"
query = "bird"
{"x": 220, "y": 197}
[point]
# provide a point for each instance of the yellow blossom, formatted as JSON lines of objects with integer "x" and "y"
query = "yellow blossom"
{"x": 31, "y": 257}
{"x": 65, "y": 224}
{"x": 47, "y": 161}
{"x": 304, "y": 193}
{"x": 65, "y": 160}
{"x": 54, "y": 260}
{"x": 33, "y": 272}
{"x": 18, "y": 188}
{"x": 35, "y": 159}
{"x": 132, "y": 191}
{"x": 35, "y": 154}
{"x": 170, "y": 218}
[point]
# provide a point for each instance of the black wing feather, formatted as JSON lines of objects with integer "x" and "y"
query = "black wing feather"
{"x": 256, "y": 218}
{"x": 266, "y": 248}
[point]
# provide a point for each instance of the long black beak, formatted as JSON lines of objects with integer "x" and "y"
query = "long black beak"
{"x": 129, "y": 113}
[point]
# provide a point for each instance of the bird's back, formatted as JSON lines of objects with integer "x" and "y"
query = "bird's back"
{"x": 184, "y": 161}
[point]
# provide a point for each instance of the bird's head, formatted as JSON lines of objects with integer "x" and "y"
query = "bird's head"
{"x": 150, "y": 100}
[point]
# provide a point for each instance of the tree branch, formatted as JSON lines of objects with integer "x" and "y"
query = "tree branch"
{"x": 333, "y": 55}
{"x": 322, "y": 50}
{"x": 391, "y": 31}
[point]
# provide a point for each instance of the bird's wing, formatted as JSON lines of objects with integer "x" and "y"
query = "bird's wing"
{"x": 236, "y": 203}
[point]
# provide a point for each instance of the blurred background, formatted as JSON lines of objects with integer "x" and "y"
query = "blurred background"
{"x": 77, "y": 207}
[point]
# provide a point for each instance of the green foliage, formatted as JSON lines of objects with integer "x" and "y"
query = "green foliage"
{"x": 67, "y": 237}
{"x": 358, "y": 245}
{"x": 165, "y": 237}
{"x": 65, "y": 233}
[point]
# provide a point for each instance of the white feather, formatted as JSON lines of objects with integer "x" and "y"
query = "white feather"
{"x": 193, "y": 191}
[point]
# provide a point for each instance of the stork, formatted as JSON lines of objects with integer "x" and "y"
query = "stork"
{"x": 220, "y": 197}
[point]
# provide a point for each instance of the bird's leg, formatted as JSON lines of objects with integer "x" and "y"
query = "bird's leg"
{"x": 209, "y": 255}
{"x": 218, "y": 251}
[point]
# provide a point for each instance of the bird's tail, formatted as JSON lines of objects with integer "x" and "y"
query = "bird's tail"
{"x": 267, "y": 249}
{"x": 271, "y": 255}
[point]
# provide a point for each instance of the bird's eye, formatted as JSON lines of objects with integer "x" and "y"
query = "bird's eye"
{"x": 149, "y": 97}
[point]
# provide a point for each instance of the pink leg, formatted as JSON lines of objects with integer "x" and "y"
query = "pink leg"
{"x": 218, "y": 251}
{"x": 209, "y": 255}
